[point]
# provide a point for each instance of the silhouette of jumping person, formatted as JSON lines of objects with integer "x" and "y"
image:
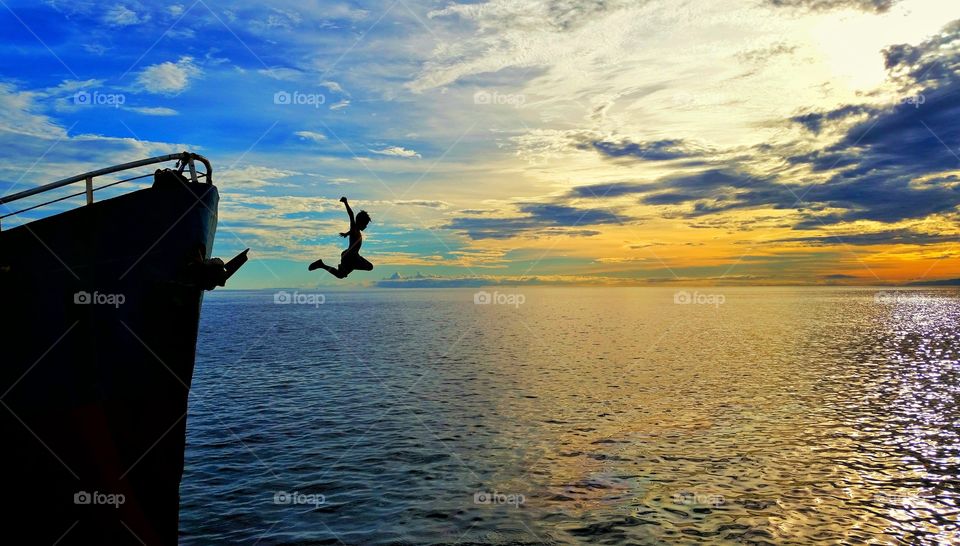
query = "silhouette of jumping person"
{"x": 350, "y": 259}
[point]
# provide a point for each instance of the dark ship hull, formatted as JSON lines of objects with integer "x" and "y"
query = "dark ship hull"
{"x": 98, "y": 355}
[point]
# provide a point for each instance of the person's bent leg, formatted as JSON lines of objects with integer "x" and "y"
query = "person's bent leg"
{"x": 362, "y": 264}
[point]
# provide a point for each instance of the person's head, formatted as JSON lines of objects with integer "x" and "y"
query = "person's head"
{"x": 363, "y": 220}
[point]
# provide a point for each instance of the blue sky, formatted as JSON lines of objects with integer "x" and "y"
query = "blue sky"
{"x": 793, "y": 141}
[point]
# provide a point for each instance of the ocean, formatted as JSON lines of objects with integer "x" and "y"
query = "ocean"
{"x": 529, "y": 415}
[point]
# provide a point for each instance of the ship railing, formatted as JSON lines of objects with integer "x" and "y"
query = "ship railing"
{"x": 185, "y": 161}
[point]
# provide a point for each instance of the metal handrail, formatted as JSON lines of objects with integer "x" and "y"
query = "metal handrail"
{"x": 184, "y": 160}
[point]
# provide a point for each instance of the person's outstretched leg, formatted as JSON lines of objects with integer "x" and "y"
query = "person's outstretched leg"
{"x": 333, "y": 271}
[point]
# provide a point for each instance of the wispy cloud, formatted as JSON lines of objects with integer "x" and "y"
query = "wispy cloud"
{"x": 311, "y": 136}
{"x": 396, "y": 151}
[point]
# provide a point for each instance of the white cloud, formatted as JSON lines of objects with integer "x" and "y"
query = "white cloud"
{"x": 122, "y": 16}
{"x": 169, "y": 78}
{"x": 281, "y": 18}
{"x": 312, "y": 136}
{"x": 333, "y": 87}
{"x": 396, "y": 151}
{"x": 427, "y": 203}
{"x": 665, "y": 70}
{"x": 340, "y": 105}
{"x": 282, "y": 73}
{"x": 40, "y": 150}
{"x": 254, "y": 176}
{"x": 154, "y": 110}
{"x": 96, "y": 49}
{"x": 20, "y": 110}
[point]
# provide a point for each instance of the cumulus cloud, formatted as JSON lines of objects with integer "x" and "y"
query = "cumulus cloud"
{"x": 169, "y": 78}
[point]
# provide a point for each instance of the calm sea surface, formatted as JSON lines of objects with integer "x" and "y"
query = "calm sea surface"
{"x": 610, "y": 416}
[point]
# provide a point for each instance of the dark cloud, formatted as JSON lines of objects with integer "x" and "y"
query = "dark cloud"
{"x": 766, "y": 53}
{"x": 886, "y": 195}
{"x": 887, "y": 237}
{"x": 942, "y": 282}
{"x": 656, "y": 150}
{"x": 612, "y": 189}
{"x": 890, "y": 164}
{"x": 814, "y": 121}
{"x": 539, "y": 217}
{"x": 877, "y": 6}
{"x": 422, "y": 203}
{"x": 899, "y": 55}
{"x": 935, "y": 60}
{"x": 419, "y": 280}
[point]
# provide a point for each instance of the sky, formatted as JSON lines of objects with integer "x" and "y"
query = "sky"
{"x": 536, "y": 142}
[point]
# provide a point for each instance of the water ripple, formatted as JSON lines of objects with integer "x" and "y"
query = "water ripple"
{"x": 608, "y": 416}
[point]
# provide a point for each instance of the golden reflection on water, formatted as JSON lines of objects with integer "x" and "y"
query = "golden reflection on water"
{"x": 779, "y": 416}
{"x": 784, "y": 415}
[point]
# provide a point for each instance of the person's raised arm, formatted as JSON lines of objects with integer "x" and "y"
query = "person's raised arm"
{"x": 349, "y": 213}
